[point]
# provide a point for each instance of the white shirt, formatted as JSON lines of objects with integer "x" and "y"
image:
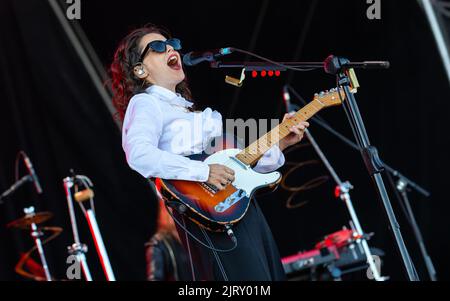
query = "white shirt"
{"x": 158, "y": 132}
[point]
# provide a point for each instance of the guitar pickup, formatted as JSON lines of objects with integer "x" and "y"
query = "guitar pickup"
{"x": 210, "y": 187}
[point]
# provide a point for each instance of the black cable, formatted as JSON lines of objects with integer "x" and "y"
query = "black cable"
{"x": 271, "y": 61}
{"x": 219, "y": 262}
{"x": 189, "y": 250}
{"x": 193, "y": 236}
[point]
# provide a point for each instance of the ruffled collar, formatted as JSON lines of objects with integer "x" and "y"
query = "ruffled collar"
{"x": 169, "y": 96}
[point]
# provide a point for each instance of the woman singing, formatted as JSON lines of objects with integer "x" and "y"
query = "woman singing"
{"x": 153, "y": 100}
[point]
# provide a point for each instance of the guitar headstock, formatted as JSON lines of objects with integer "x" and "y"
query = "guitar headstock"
{"x": 330, "y": 98}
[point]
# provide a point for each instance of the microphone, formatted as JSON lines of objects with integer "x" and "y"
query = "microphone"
{"x": 32, "y": 173}
{"x": 193, "y": 58}
{"x": 375, "y": 65}
{"x": 333, "y": 64}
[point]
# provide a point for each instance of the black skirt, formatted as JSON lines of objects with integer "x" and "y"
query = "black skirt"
{"x": 256, "y": 257}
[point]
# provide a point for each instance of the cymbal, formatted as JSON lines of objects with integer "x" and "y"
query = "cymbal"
{"x": 27, "y": 220}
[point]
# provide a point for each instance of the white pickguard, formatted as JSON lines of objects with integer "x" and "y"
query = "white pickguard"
{"x": 245, "y": 177}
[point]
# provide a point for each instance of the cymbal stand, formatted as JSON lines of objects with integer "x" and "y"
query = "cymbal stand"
{"x": 346, "y": 78}
{"x": 87, "y": 194}
{"x": 36, "y": 234}
{"x": 77, "y": 249}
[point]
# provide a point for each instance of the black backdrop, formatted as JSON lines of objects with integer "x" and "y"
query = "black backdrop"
{"x": 51, "y": 110}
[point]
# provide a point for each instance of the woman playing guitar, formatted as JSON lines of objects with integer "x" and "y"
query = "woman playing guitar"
{"x": 160, "y": 129}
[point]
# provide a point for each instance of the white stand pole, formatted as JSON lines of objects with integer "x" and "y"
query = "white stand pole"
{"x": 98, "y": 240}
{"x": 78, "y": 249}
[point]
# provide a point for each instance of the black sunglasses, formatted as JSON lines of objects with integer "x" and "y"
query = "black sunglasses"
{"x": 160, "y": 46}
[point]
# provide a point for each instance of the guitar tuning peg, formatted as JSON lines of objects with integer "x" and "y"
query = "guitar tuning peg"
{"x": 321, "y": 93}
{"x": 316, "y": 94}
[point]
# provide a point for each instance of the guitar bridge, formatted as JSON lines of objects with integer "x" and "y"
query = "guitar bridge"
{"x": 230, "y": 201}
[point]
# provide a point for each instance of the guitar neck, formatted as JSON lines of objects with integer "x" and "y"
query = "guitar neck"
{"x": 256, "y": 150}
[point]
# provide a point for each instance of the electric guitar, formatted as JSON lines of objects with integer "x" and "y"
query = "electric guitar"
{"x": 216, "y": 209}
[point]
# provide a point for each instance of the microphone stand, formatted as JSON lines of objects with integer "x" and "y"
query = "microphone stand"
{"x": 14, "y": 187}
{"x": 261, "y": 65}
{"x": 30, "y": 177}
{"x": 350, "y": 143}
{"x": 344, "y": 188}
{"x": 346, "y": 78}
{"x": 402, "y": 194}
{"x": 401, "y": 188}
{"x": 344, "y": 194}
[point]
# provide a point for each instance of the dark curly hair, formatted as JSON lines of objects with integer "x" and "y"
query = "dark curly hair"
{"x": 124, "y": 83}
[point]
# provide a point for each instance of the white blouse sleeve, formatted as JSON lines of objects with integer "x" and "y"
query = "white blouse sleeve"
{"x": 270, "y": 161}
{"x": 143, "y": 125}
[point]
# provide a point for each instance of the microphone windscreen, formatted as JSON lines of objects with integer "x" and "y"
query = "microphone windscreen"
{"x": 187, "y": 59}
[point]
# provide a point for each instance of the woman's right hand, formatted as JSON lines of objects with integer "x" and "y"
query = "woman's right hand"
{"x": 220, "y": 176}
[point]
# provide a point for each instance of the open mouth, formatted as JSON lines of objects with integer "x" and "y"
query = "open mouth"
{"x": 173, "y": 62}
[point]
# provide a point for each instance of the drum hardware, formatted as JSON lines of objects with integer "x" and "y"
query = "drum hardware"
{"x": 342, "y": 191}
{"x": 37, "y": 272}
{"x": 337, "y": 254}
{"x": 31, "y": 220}
{"x": 78, "y": 249}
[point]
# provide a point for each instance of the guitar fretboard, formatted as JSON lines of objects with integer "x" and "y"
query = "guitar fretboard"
{"x": 256, "y": 150}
